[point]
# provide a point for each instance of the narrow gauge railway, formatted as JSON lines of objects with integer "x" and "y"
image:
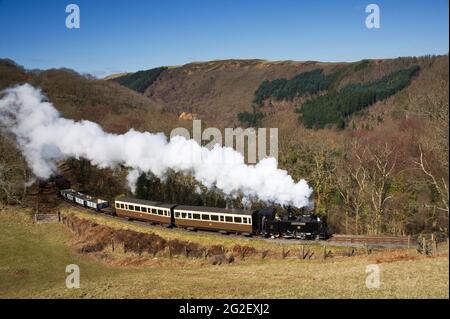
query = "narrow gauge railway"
{"x": 263, "y": 222}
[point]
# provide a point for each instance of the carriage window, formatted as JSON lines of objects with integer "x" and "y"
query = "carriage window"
{"x": 222, "y": 218}
{"x": 137, "y": 208}
{"x": 238, "y": 220}
{"x": 214, "y": 217}
{"x": 244, "y": 220}
{"x": 205, "y": 216}
{"x": 122, "y": 206}
{"x": 229, "y": 219}
{"x": 196, "y": 216}
{"x": 160, "y": 212}
{"x": 126, "y": 206}
{"x": 144, "y": 209}
{"x": 183, "y": 215}
{"x": 153, "y": 211}
{"x": 189, "y": 215}
{"x": 177, "y": 214}
{"x": 130, "y": 207}
{"x": 117, "y": 205}
{"x": 166, "y": 213}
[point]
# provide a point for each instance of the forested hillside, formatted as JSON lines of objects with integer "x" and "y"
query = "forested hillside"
{"x": 336, "y": 106}
{"x": 140, "y": 80}
{"x": 371, "y": 137}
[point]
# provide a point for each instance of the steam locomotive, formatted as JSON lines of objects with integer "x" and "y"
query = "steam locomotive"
{"x": 264, "y": 222}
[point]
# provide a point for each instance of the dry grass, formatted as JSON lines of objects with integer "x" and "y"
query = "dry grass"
{"x": 33, "y": 259}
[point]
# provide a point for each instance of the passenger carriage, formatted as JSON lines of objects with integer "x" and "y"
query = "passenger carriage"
{"x": 213, "y": 218}
{"x": 144, "y": 210}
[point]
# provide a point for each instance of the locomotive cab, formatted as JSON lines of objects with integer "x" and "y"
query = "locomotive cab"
{"x": 262, "y": 218}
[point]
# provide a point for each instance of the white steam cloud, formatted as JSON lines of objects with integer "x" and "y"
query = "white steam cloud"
{"x": 45, "y": 138}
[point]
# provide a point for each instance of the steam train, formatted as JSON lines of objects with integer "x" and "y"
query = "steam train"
{"x": 264, "y": 222}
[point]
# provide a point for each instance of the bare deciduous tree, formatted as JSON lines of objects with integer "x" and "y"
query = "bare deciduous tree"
{"x": 439, "y": 183}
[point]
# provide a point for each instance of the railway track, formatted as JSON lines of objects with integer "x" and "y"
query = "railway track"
{"x": 374, "y": 240}
{"x": 335, "y": 240}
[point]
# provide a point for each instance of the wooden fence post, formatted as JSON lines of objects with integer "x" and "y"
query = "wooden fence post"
{"x": 409, "y": 241}
{"x": 424, "y": 245}
{"x": 433, "y": 244}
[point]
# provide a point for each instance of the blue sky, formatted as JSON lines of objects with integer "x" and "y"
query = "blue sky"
{"x": 131, "y": 35}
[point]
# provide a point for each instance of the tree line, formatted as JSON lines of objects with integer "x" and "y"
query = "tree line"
{"x": 141, "y": 80}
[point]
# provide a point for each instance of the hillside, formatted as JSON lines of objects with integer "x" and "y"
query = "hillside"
{"x": 218, "y": 90}
{"x": 377, "y": 164}
{"x": 116, "y": 108}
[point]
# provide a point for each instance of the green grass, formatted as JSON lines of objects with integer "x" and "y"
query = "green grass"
{"x": 33, "y": 258}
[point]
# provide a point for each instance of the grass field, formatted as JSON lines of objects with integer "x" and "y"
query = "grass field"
{"x": 33, "y": 259}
